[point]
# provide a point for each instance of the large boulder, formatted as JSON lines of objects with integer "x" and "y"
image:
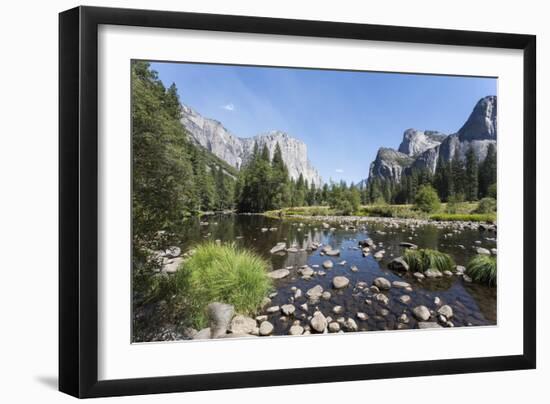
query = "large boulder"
{"x": 421, "y": 313}
{"x": 280, "y": 247}
{"x": 398, "y": 264}
{"x": 318, "y": 322}
{"x": 315, "y": 292}
{"x": 266, "y": 328}
{"x": 382, "y": 283}
{"x": 219, "y": 316}
{"x": 242, "y": 325}
{"x": 340, "y": 282}
{"x": 278, "y": 273}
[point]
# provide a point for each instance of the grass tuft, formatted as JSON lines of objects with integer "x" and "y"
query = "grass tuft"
{"x": 483, "y": 269}
{"x": 421, "y": 260}
{"x": 222, "y": 273}
{"x": 464, "y": 217}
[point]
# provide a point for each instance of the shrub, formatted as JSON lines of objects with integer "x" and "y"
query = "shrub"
{"x": 222, "y": 273}
{"x": 483, "y": 269}
{"x": 423, "y": 259}
{"x": 492, "y": 191}
{"x": 427, "y": 199}
{"x": 454, "y": 202}
{"x": 487, "y": 205}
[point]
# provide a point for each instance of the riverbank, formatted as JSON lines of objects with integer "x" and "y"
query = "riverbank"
{"x": 459, "y": 220}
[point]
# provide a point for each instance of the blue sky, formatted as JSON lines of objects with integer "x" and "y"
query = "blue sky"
{"x": 343, "y": 117}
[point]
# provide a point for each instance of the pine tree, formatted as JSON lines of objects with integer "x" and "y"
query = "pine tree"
{"x": 488, "y": 171}
{"x": 457, "y": 174}
{"x": 471, "y": 176}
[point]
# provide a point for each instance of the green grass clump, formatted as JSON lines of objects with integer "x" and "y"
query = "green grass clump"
{"x": 222, "y": 273}
{"x": 465, "y": 217}
{"x": 483, "y": 269}
{"x": 423, "y": 259}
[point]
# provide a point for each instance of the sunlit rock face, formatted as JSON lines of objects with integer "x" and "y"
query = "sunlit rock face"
{"x": 214, "y": 137}
{"x": 421, "y": 149}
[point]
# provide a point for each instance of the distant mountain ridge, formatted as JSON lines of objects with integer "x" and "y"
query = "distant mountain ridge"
{"x": 421, "y": 149}
{"x": 214, "y": 137}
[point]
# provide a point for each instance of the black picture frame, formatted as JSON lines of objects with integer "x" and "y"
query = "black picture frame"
{"x": 78, "y": 200}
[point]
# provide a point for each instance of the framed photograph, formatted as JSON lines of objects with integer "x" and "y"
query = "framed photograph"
{"x": 251, "y": 201}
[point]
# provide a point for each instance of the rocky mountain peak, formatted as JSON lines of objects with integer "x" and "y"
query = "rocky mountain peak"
{"x": 482, "y": 122}
{"x": 415, "y": 141}
{"x": 214, "y": 137}
{"x": 422, "y": 149}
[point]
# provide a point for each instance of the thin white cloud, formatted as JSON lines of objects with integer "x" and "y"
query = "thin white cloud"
{"x": 339, "y": 170}
{"x": 229, "y": 107}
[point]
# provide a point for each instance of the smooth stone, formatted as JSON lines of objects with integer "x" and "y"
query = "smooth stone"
{"x": 279, "y": 273}
{"x": 379, "y": 254}
{"x": 328, "y": 264}
{"x": 304, "y": 307}
{"x": 482, "y": 251}
{"x": 326, "y": 295}
{"x": 273, "y": 309}
{"x": 403, "y": 318}
{"x": 242, "y": 325}
{"x": 351, "y": 325}
{"x": 447, "y": 273}
{"x": 422, "y": 313}
{"x": 354, "y": 268}
{"x": 446, "y": 311}
{"x": 428, "y": 324}
{"x": 362, "y": 316}
{"x": 401, "y": 284}
{"x": 279, "y": 247}
{"x": 219, "y": 316}
{"x": 203, "y": 334}
{"x": 419, "y": 275}
{"x": 315, "y": 292}
{"x": 398, "y": 264}
{"x": 266, "y": 328}
{"x": 288, "y": 309}
{"x": 432, "y": 273}
{"x": 298, "y": 294}
{"x": 337, "y": 309}
{"x": 382, "y": 298}
{"x": 306, "y": 272}
{"x": 172, "y": 252}
{"x": 296, "y": 330}
{"x": 437, "y": 301}
{"x": 261, "y": 318}
{"x": 460, "y": 269}
{"x": 340, "y": 282}
{"x": 405, "y": 299}
{"x": 318, "y": 322}
{"x": 334, "y": 327}
{"x": 332, "y": 253}
{"x": 382, "y": 283}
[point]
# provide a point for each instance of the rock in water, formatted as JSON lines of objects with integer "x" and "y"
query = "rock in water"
{"x": 280, "y": 247}
{"x": 398, "y": 264}
{"x": 421, "y": 313}
{"x": 433, "y": 273}
{"x": 278, "y": 273}
{"x": 296, "y": 330}
{"x": 328, "y": 264}
{"x": 219, "y": 316}
{"x": 266, "y": 328}
{"x": 315, "y": 292}
{"x": 446, "y": 311}
{"x": 203, "y": 334}
{"x": 340, "y": 282}
{"x": 382, "y": 283}
{"x": 408, "y": 245}
{"x": 428, "y": 324}
{"x": 318, "y": 322}
{"x": 288, "y": 309}
{"x": 242, "y": 325}
{"x": 483, "y": 251}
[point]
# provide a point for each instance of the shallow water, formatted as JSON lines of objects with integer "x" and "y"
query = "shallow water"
{"x": 472, "y": 304}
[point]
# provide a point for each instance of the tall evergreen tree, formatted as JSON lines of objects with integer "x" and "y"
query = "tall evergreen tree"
{"x": 488, "y": 171}
{"x": 471, "y": 176}
{"x": 457, "y": 174}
